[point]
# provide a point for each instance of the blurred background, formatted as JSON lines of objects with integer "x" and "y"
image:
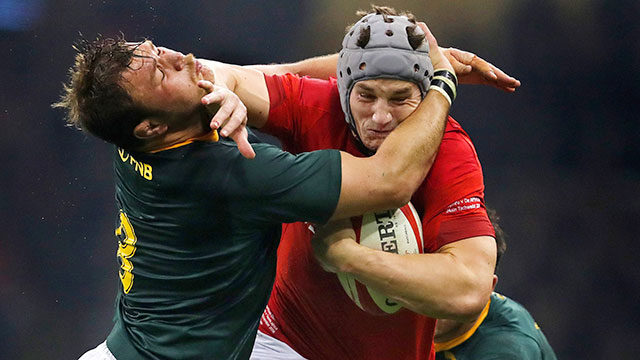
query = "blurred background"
{"x": 561, "y": 156}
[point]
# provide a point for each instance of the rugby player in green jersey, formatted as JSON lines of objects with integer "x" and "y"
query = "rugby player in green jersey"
{"x": 198, "y": 224}
{"x": 504, "y": 330}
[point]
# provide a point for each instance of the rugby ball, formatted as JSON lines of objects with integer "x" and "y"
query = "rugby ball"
{"x": 397, "y": 231}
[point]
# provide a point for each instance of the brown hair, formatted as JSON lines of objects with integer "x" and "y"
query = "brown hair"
{"x": 501, "y": 243}
{"x": 415, "y": 40}
{"x": 94, "y": 98}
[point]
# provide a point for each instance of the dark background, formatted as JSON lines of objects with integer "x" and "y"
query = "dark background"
{"x": 560, "y": 156}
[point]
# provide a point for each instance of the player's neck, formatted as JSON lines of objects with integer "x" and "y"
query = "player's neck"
{"x": 173, "y": 138}
{"x": 179, "y": 131}
{"x": 452, "y": 333}
{"x": 454, "y": 329}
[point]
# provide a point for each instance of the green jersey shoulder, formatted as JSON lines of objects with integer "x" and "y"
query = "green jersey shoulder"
{"x": 197, "y": 231}
{"x": 507, "y": 332}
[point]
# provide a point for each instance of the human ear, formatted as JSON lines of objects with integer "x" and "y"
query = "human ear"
{"x": 149, "y": 128}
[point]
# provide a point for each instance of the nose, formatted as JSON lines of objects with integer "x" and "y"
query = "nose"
{"x": 381, "y": 113}
{"x": 172, "y": 58}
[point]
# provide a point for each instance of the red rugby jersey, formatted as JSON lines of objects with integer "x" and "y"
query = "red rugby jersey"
{"x": 308, "y": 308}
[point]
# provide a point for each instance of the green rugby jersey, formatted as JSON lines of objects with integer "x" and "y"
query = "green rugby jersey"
{"x": 506, "y": 331}
{"x": 197, "y": 235}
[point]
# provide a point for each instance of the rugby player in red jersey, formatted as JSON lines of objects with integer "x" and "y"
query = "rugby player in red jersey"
{"x": 309, "y": 315}
{"x": 198, "y": 225}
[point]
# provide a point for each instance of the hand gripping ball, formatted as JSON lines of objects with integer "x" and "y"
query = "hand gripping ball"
{"x": 397, "y": 231}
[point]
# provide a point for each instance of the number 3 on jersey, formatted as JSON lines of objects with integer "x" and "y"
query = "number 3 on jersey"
{"x": 126, "y": 249}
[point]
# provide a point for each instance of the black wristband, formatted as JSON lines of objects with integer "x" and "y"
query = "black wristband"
{"x": 447, "y": 74}
{"x": 446, "y": 83}
{"x": 445, "y": 86}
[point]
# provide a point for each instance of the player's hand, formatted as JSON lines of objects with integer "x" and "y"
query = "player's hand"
{"x": 438, "y": 59}
{"x": 230, "y": 115}
{"x": 471, "y": 69}
{"x": 334, "y": 245}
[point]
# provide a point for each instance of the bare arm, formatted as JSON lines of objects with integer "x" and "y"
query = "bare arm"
{"x": 248, "y": 81}
{"x": 389, "y": 178}
{"x": 385, "y": 180}
{"x": 320, "y": 67}
{"x": 470, "y": 69}
{"x": 455, "y": 282}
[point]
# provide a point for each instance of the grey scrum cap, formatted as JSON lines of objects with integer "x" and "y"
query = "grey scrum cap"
{"x": 386, "y": 55}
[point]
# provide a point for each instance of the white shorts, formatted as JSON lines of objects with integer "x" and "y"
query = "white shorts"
{"x": 264, "y": 348}
{"x": 100, "y": 352}
{"x": 270, "y": 348}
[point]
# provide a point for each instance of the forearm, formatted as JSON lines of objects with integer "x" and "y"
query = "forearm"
{"x": 321, "y": 67}
{"x": 411, "y": 148}
{"x": 389, "y": 178}
{"x": 439, "y": 285}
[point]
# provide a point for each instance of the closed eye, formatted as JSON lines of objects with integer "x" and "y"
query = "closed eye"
{"x": 158, "y": 52}
{"x": 399, "y": 100}
{"x": 366, "y": 96}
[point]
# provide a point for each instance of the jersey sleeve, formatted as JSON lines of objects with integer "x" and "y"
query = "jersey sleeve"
{"x": 454, "y": 206}
{"x": 278, "y": 187}
{"x": 298, "y": 106}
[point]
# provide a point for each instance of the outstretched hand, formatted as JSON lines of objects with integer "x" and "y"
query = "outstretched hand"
{"x": 471, "y": 69}
{"x": 230, "y": 115}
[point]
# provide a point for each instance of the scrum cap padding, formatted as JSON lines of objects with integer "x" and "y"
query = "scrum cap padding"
{"x": 388, "y": 54}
